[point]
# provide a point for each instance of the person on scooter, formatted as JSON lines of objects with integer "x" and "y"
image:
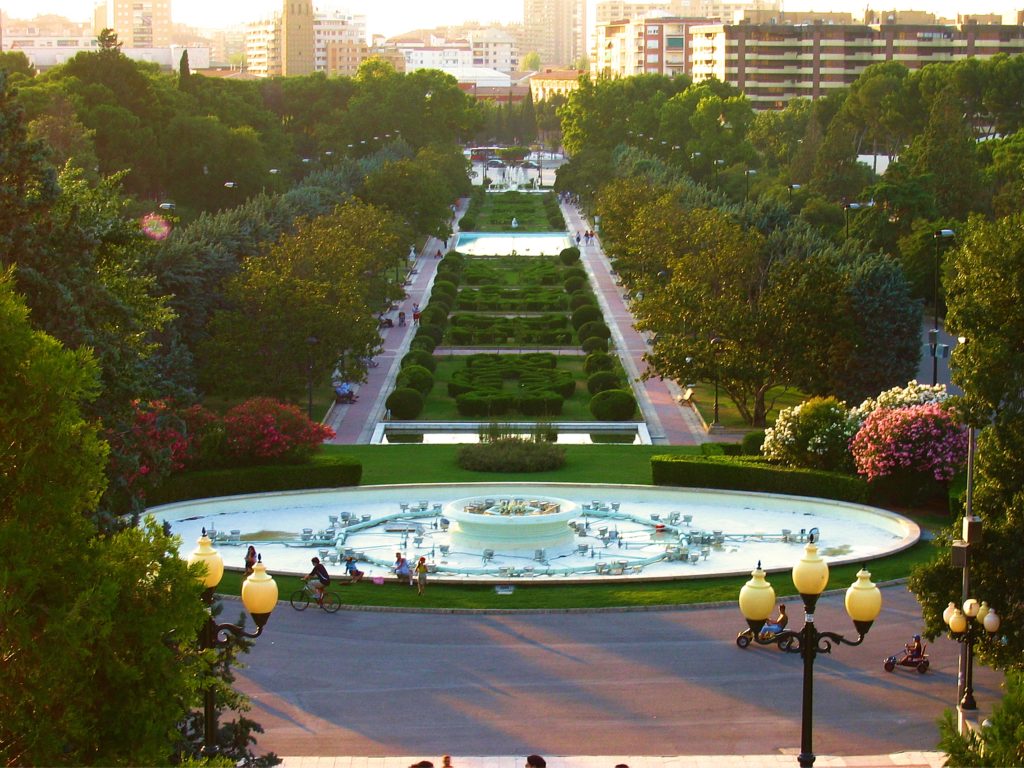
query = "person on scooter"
{"x": 914, "y": 648}
{"x": 774, "y": 627}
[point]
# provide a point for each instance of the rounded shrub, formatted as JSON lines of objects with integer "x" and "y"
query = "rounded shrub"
{"x": 264, "y": 430}
{"x": 569, "y": 256}
{"x": 574, "y": 284}
{"x": 416, "y": 377}
{"x": 580, "y": 299}
{"x": 613, "y": 405}
{"x": 593, "y": 329}
{"x": 815, "y": 434}
{"x": 594, "y": 344}
{"x": 434, "y": 315}
{"x": 435, "y": 332}
{"x": 542, "y": 404}
{"x": 404, "y": 403}
{"x": 443, "y": 288}
{"x": 426, "y": 343}
{"x": 602, "y": 381}
{"x": 574, "y": 272}
{"x": 598, "y": 361}
{"x": 585, "y": 314}
{"x": 752, "y": 442}
{"x": 419, "y": 357}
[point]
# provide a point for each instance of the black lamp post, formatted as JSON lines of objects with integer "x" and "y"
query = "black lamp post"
{"x": 718, "y": 164}
{"x": 715, "y": 348}
{"x": 311, "y": 341}
{"x": 746, "y": 182}
{"x": 940, "y": 235}
{"x": 810, "y": 577}
{"x": 259, "y": 595}
{"x": 792, "y": 188}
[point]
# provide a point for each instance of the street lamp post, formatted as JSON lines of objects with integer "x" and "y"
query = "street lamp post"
{"x": 259, "y": 595}
{"x": 746, "y": 182}
{"x": 940, "y": 235}
{"x": 810, "y": 576}
{"x": 718, "y": 164}
{"x": 792, "y": 188}
{"x": 311, "y": 341}
{"x": 715, "y": 347}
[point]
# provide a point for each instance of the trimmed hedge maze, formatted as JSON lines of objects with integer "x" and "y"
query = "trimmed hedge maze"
{"x": 480, "y": 389}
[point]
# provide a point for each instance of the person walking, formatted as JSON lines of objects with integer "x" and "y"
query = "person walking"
{"x": 421, "y": 575}
{"x": 250, "y": 560}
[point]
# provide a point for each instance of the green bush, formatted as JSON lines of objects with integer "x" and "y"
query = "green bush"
{"x": 435, "y": 332}
{"x": 613, "y": 405}
{"x": 594, "y": 344}
{"x": 752, "y": 442}
{"x": 484, "y": 404}
{"x": 419, "y": 357}
{"x": 544, "y": 404}
{"x": 598, "y": 361}
{"x": 603, "y": 380}
{"x": 468, "y": 222}
{"x": 748, "y": 474}
{"x": 443, "y": 288}
{"x": 581, "y": 299}
{"x": 593, "y": 329}
{"x": 435, "y": 314}
{"x": 423, "y": 342}
{"x": 573, "y": 284}
{"x": 511, "y": 454}
{"x": 405, "y": 403}
{"x": 569, "y": 256}
{"x": 585, "y": 314}
{"x": 574, "y": 272}
{"x": 332, "y": 472}
{"x": 416, "y": 377}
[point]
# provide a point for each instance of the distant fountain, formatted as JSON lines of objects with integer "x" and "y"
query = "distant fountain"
{"x": 511, "y": 524}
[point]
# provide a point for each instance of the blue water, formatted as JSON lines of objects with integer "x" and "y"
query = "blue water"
{"x": 506, "y": 243}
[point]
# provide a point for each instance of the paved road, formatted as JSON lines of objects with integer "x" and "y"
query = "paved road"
{"x": 626, "y": 683}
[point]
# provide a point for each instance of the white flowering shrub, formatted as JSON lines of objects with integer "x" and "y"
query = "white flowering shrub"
{"x": 815, "y": 434}
{"x": 902, "y": 397}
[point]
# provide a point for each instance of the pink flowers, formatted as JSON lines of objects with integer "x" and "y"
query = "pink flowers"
{"x": 263, "y": 430}
{"x": 921, "y": 438}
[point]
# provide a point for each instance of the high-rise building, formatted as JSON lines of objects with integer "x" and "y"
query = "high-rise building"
{"x": 556, "y": 30}
{"x": 138, "y": 23}
{"x": 643, "y": 46}
{"x": 293, "y": 43}
{"x": 298, "y": 41}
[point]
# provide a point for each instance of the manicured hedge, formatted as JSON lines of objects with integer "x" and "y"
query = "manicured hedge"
{"x": 598, "y": 361}
{"x": 586, "y": 314}
{"x": 613, "y": 405}
{"x": 419, "y": 357}
{"x": 423, "y": 342}
{"x": 603, "y": 380}
{"x": 336, "y": 472}
{"x": 594, "y": 344}
{"x": 573, "y": 284}
{"x": 746, "y": 474}
{"x": 569, "y": 256}
{"x": 415, "y": 377}
{"x": 511, "y": 455}
{"x": 581, "y": 299}
{"x": 592, "y": 329}
{"x": 405, "y": 403}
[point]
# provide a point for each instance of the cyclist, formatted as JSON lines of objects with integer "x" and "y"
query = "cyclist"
{"x": 323, "y": 579}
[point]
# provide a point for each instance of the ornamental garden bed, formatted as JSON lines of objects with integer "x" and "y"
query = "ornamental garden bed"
{"x": 495, "y": 212}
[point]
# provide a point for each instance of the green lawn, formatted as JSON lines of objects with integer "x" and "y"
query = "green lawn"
{"x": 729, "y": 415}
{"x": 496, "y": 211}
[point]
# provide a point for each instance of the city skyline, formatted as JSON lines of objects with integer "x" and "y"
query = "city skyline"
{"x": 393, "y": 17}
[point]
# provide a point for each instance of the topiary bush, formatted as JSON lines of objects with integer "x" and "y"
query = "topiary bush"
{"x": 613, "y": 405}
{"x": 574, "y": 272}
{"x": 569, "y": 256}
{"x": 602, "y": 381}
{"x": 435, "y": 314}
{"x": 415, "y": 377}
{"x": 585, "y": 314}
{"x": 815, "y": 434}
{"x": 598, "y": 361}
{"x": 593, "y": 329}
{"x": 594, "y": 344}
{"x": 405, "y": 403}
{"x": 423, "y": 342}
{"x": 419, "y": 357}
{"x": 435, "y": 332}
{"x": 573, "y": 284}
{"x": 752, "y": 442}
{"x": 581, "y": 299}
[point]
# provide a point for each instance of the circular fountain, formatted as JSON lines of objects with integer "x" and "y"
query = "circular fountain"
{"x": 481, "y": 522}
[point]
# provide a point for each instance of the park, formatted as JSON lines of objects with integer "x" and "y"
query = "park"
{"x": 592, "y": 367}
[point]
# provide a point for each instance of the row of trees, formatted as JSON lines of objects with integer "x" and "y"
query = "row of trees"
{"x": 107, "y": 317}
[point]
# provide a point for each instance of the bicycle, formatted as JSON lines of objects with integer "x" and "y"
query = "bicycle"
{"x": 301, "y": 599}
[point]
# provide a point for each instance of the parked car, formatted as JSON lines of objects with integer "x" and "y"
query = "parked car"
{"x": 529, "y": 164}
{"x": 495, "y": 163}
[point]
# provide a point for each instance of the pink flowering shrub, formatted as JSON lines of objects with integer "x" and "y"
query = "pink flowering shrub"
{"x": 264, "y": 430}
{"x": 923, "y": 439}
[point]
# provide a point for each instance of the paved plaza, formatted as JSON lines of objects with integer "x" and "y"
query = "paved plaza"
{"x": 623, "y": 684}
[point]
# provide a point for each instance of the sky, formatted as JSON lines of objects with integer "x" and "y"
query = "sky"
{"x": 391, "y": 17}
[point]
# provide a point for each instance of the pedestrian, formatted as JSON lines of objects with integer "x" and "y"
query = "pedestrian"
{"x": 401, "y": 568}
{"x": 536, "y": 761}
{"x": 250, "y": 560}
{"x": 446, "y": 761}
{"x": 421, "y": 576}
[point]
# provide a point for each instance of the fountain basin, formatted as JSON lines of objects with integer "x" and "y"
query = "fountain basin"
{"x": 511, "y": 524}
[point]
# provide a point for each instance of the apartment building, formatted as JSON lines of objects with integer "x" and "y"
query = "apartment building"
{"x": 494, "y": 49}
{"x": 643, "y": 46}
{"x": 774, "y": 63}
{"x": 138, "y": 23}
{"x": 554, "y": 82}
{"x": 299, "y": 41}
{"x": 556, "y": 30}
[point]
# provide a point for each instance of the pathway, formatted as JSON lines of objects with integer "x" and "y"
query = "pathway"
{"x": 668, "y": 422}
